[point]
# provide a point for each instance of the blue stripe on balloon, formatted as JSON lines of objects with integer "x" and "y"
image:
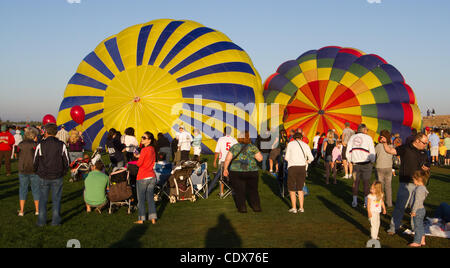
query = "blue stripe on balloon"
{"x": 393, "y": 73}
{"x": 103, "y": 140}
{"x": 168, "y": 31}
{"x": 142, "y": 42}
{"x": 277, "y": 83}
{"x": 93, "y": 60}
{"x": 397, "y": 93}
{"x": 344, "y": 61}
{"x": 241, "y": 67}
{"x": 113, "y": 50}
{"x": 223, "y": 92}
{"x": 390, "y": 111}
{"x": 91, "y": 133}
{"x": 204, "y": 52}
{"x": 287, "y": 66}
{"x": 369, "y": 62}
{"x": 69, "y": 102}
{"x": 83, "y": 80}
{"x": 327, "y": 52}
{"x": 184, "y": 42}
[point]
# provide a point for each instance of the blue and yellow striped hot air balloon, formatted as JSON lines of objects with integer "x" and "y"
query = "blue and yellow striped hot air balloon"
{"x": 158, "y": 75}
{"x": 325, "y": 88}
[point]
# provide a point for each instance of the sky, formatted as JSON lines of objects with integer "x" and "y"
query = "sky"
{"x": 44, "y": 41}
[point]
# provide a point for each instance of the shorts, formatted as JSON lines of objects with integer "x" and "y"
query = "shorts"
{"x": 344, "y": 153}
{"x": 434, "y": 151}
{"x": 448, "y": 154}
{"x": 197, "y": 150}
{"x": 274, "y": 154}
{"x": 296, "y": 178}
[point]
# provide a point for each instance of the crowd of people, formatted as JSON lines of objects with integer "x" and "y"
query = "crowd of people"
{"x": 45, "y": 154}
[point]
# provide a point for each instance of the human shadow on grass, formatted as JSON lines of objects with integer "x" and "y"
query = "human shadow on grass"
{"x": 275, "y": 187}
{"x": 132, "y": 237}
{"x": 439, "y": 177}
{"x": 342, "y": 214}
{"x": 222, "y": 235}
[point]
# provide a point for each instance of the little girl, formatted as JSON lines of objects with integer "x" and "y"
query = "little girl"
{"x": 375, "y": 205}
{"x": 420, "y": 179}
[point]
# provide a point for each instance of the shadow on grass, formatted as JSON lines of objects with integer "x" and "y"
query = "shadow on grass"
{"x": 274, "y": 186}
{"x": 343, "y": 215}
{"x": 132, "y": 237}
{"x": 222, "y": 235}
{"x": 439, "y": 177}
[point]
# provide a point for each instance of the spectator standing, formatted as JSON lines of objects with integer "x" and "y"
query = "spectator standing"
{"x": 131, "y": 143}
{"x": 447, "y": 145}
{"x": 76, "y": 146}
{"x": 95, "y": 185}
{"x": 346, "y": 134}
{"x": 384, "y": 162}
{"x": 146, "y": 179}
{"x": 265, "y": 148}
{"x": 115, "y": 148}
{"x": 361, "y": 153}
{"x": 434, "y": 147}
{"x": 298, "y": 156}
{"x": 7, "y": 142}
{"x": 418, "y": 211}
{"x": 328, "y": 146}
{"x": 27, "y": 176}
{"x": 63, "y": 135}
{"x": 242, "y": 161}
{"x": 51, "y": 162}
{"x": 17, "y": 139}
{"x": 315, "y": 144}
{"x": 197, "y": 143}
{"x": 375, "y": 205}
{"x": 222, "y": 147}
{"x": 184, "y": 143}
{"x": 163, "y": 146}
{"x": 413, "y": 157}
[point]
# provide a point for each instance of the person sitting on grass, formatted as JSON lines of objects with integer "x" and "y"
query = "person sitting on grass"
{"x": 95, "y": 185}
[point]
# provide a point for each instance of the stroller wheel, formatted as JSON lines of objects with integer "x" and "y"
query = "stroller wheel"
{"x": 172, "y": 199}
{"x": 193, "y": 199}
{"x": 156, "y": 198}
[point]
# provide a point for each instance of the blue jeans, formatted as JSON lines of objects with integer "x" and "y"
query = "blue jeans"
{"x": 56, "y": 187}
{"x": 264, "y": 161}
{"x": 145, "y": 192}
{"x": 419, "y": 227}
{"x": 25, "y": 180}
{"x": 403, "y": 196}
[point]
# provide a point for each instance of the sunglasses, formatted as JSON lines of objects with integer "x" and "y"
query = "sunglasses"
{"x": 144, "y": 138}
{"x": 423, "y": 142}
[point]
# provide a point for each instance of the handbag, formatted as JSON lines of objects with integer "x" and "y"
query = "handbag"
{"x": 119, "y": 192}
{"x": 305, "y": 189}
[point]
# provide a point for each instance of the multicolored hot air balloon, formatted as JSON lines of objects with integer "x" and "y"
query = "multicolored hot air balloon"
{"x": 323, "y": 89}
{"x": 158, "y": 75}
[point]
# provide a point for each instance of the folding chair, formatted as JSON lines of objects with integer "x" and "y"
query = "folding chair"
{"x": 163, "y": 173}
{"x": 226, "y": 183}
{"x": 200, "y": 181}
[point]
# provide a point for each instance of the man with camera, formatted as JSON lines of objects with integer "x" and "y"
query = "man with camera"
{"x": 413, "y": 157}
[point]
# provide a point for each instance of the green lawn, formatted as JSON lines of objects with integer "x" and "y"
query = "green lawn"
{"x": 328, "y": 221}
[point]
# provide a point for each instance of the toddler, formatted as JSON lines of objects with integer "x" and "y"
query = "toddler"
{"x": 375, "y": 205}
{"x": 420, "y": 179}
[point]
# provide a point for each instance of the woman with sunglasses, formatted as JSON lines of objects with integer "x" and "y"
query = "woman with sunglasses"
{"x": 146, "y": 179}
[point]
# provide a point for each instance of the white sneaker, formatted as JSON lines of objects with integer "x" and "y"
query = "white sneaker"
{"x": 293, "y": 210}
{"x": 354, "y": 204}
{"x": 301, "y": 210}
{"x": 345, "y": 176}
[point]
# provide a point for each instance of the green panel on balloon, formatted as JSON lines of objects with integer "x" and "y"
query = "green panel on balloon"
{"x": 306, "y": 58}
{"x": 337, "y": 74}
{"x": 358, "y": 70}
{"x": 380, "y": 95}
{"x": 382, "y": 76}
{"x": 293, "y": 72}
{"x": 325, "y": 63}
{"x": 369, "y": 110}
{"x": 384, "y": 124}
{"x": 290, "y": 89}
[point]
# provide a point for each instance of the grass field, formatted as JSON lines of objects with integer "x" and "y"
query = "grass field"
{"x": 329, "y": 221}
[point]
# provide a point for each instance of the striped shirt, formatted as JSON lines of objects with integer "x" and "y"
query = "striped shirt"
{"x": 360, "y": 149}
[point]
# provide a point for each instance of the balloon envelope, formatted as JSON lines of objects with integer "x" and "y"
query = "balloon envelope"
{"x": 77, "y": 114}
{"x": 326, "y": 88}
{"x": 48, "y": 119}
{"x": 161, "y": 74}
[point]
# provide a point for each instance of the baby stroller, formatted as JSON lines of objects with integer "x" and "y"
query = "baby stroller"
{"x": 120, "y": 192}
{"x": 181, "y": 187}
{"x": 80, "y": 168}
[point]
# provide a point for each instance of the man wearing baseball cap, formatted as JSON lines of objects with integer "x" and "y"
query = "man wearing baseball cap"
{"x": 7, "y": 142}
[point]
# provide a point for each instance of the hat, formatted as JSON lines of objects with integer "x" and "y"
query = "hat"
{"x": 427, "y": 128}
{"x": 181, "y": 126}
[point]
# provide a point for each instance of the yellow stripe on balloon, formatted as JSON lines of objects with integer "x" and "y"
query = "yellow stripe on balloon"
{"x": 77, "y": 90}
{"x": 349, "y": 79}
{"x": 371, "y": 80}
{"x": 323, "y": 74}
{"x": 331, "y": 87}
{"x": 365, "y": 98}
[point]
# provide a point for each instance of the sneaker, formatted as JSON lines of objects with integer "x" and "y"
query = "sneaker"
{"x": 293, "y": 210}
{"x": 20, "y": 214}
{"x": 354, "y": 204}
{"x": 301, "y": 210}
{"x": 345, "y": 176}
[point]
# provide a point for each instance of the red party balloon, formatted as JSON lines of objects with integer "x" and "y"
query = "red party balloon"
{"x": 77, "y": 114}
{"x": 48, "y": 119}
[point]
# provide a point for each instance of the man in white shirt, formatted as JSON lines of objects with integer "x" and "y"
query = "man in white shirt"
{"x": 223, "y": 146}
{"x": 63, "y": 135}
{"x": 316, "y": 145}
{"x": 346, "y": 134}
{"x": 361, "y": 153}
{"x": 184, "y": 143}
